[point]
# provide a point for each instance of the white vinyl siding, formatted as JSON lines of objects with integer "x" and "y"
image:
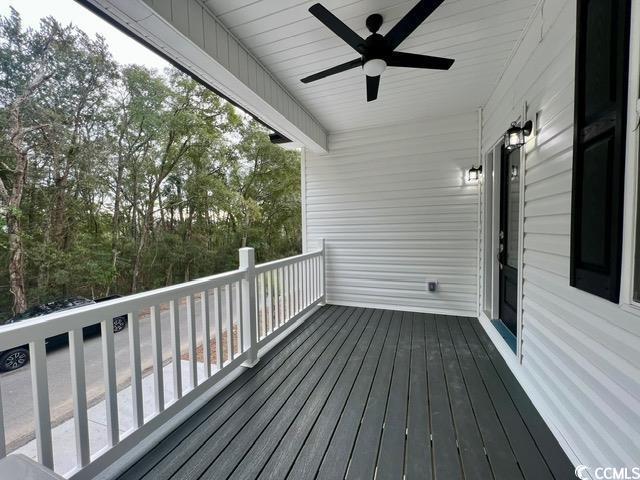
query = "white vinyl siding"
{"x": 580, "y": 353}
{"x": 395, "y": 211}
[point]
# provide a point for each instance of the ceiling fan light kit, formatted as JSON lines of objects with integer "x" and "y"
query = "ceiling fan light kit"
{"x": 377, "y": 52}
{"x": 374, "y": 67}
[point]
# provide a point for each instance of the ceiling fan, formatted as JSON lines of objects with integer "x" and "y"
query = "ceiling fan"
{"x": 377, "y": 51}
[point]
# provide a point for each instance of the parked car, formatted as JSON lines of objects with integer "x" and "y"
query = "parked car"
{"x": 19, "y": 356}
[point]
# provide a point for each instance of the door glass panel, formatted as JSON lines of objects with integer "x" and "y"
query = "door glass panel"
{"x": 513, "y": 201}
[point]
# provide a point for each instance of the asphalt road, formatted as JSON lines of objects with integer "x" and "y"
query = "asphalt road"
{"x": 17, "y": 400}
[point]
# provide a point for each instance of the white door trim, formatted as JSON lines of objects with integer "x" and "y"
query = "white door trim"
{"x": 631, "y": 165}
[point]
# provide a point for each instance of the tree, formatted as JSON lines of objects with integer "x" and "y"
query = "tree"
{"x": 26, "y": 67}
{"x": 120, "y": 178}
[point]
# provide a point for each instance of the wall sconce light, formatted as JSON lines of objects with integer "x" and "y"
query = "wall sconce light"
{"x": 516, "y": 136}
{"x": 474, "y": 173}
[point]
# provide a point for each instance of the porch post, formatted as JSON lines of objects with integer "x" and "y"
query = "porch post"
{"x": 249, "y": 324}
{"x": 323, "y": 299}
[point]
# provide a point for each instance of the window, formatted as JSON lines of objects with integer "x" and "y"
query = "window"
{"x": 599, "y": 146}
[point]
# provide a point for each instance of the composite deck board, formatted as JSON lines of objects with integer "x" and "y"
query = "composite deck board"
{"x": 557, "y": 461}
{"x": 474, "y": 461}
{"x": 392, "y": 445}
{"x": 312, "y": 430}
{"x": 446, "y": 458}
{"x": 335, "y": 461}
{"x": 305, "y": 402}
{"x": 365, "y": 451}
{"x": 418, "y": 449}
{"x": 263, "y": 405}
{"x": 501, "y": 457}
{"x": 529, "y": 458}
{"x": 362, "y": 393}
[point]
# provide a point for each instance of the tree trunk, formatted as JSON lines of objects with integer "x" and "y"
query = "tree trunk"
{"x": 16, "y": 264}
{"x": 13, "y": 199}
{"x": 115, "y": 226}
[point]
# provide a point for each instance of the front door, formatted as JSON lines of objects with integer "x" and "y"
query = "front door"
{"x": 508, "y": 238}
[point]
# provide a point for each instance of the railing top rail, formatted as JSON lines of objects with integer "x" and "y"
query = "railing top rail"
{"x": 21, "y": 333}
{"x": 265, "y": 267}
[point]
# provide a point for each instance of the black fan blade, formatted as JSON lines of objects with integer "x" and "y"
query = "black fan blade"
{"x": 338, "y": 27}
{"x": 410, "y": 22}
{"x": 333, "y": 70}
{"x": 413, "y": 60}
{"x": 372, "y": 87}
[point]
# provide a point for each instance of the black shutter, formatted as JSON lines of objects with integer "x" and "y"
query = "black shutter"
{"x": 602, "y": 58}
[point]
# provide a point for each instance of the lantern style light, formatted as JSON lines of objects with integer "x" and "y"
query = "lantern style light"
{"x": 516, "y": 136}
{"x": 473, "y": 175}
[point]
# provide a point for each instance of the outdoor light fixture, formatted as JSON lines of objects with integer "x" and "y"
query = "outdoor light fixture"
{"x": 516, "y": 136}
{"x": 473, "y": 175}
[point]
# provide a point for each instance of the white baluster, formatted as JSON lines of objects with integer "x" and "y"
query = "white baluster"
{"x": 79, "y": 395}
{"x": 110, "y": 387}
{"x": 191, "y": 337}
{"x": 136, "y": 373}
{"x": 174, "y": 320}
{"x": 40, "y": 386}
{"x": 156, "y": 354}
{"x": 206, "y": 333}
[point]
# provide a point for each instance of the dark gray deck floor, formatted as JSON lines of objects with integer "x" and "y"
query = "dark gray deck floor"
{"x": 359, "y": 393}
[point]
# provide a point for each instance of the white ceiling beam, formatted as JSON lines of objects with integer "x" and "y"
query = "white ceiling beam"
{"x": 188, "y": 33}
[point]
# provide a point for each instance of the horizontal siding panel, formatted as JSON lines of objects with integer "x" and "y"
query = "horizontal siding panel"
{"x": 408, "y": 219}
{"x": 470, "y": 201}
{"x": 558, "y": 162}
{"x": 434, "y": 231}
{"x": 393, "y": 195}
{"x": 392, "y": 212}
{"x": 574, "y": 412}
{"x": 619, "y": 360}
{"x": 395, "y": 212}
{"x": 623, "y": 413}
{"x": 408, "y": 286}
{"x": 559, "y": 183}
{"x": 555, "y": 244}
{"x": 554, "y": 204}
{"x": 555, "y": 225}
{"x": 446, "y": 274}
{"x": 419, "y": 181}
{"x": 408, "y": 254}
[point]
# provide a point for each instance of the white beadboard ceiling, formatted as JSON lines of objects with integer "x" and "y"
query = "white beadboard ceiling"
{"x": 480, "y": 34}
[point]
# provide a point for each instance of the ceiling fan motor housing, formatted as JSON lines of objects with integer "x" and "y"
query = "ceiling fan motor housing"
{"x": 375, "y": 47}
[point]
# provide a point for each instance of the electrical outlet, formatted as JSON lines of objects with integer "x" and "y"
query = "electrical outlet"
{"x": 432, "y": 286}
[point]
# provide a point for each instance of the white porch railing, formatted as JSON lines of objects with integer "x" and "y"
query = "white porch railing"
{"x": 252, "y": 305}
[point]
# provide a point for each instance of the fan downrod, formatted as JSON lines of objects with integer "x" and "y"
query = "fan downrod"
{"x": 374, "y": 22}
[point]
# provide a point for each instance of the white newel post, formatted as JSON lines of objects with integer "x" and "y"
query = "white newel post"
{"x": 249, "y": 323}
{"x": 323, "y": 299}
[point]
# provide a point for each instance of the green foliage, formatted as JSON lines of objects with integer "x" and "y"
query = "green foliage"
{"x": 133, "y": 172}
